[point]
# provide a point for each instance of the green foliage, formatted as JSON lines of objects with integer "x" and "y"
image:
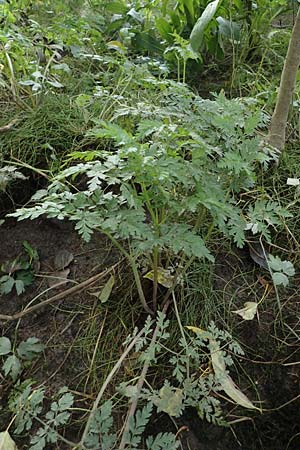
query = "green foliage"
{"x": 56, "y": 417}
{"x": 263, "y": 215}
{"x": 100, "y": 431}
{"x": 187, "y": 389}
{"x": 280, "y": 270}
{"x": 163, "y": 441}
{"x": 28, "y": 407}
{"x": 202, "y": 23}
{"x": 158, "y": 188}
{"x": 19, "y": 272}
{"x": 26, "y": 351}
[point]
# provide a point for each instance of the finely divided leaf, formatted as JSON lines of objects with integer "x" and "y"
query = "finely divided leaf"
{"x": 221, "y": 374}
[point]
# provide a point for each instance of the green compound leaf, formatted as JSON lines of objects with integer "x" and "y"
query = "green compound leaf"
{"x": 6, "y": 284}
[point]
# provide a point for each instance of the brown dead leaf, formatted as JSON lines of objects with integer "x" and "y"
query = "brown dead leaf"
{"x": 63, "y": 259}
{"x": 58, "y": 278}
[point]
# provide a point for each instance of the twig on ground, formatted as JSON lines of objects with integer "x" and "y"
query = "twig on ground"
{"x": 61, "y": 295}
{"x": 9, "y": 126}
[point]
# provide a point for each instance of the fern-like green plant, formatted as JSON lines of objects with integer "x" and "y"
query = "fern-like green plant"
{"x": 161, "y": 191}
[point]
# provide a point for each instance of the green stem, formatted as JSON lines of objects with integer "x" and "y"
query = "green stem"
{"x": 181, "y": 331}
{"x": 139, "y": 286}
{"x": 155, "y": 277}
{"x": 184, "y": 71}
{"x": 134, "y": 271}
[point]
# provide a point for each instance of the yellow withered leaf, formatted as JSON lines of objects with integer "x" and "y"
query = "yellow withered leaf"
{"x": 248, "y": 312}
{"x": 221, "y": 374}
{"x": 164, "y": 277}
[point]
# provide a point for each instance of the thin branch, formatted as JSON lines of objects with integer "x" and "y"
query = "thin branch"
{"x": 8, "y": 127}
{"x": 61, "y": 295}
{"x": 139, "y": 386}
{"x": 112, "y": 373}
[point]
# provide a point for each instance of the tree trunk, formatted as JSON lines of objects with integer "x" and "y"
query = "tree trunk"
{"x": 276, "y": 136}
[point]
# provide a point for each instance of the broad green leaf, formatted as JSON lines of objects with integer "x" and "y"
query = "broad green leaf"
{"x": 106, "y": 291}
{"x": 30, "y": 348}
{"x": 280, "y": 278}
{"x": 116, "y": 7}
{"x": 26, "y": 276}
{"x": 164, "y": 28}
{"x": 248, "y": 312}
{"x": 169, "y": 401}
{"x": 12, "y": 367}
{"x": 6, "y": 442}
{"x": 229, "y": 29}
{"x": 164, "y": 277}
{"x": 6, "y": 284}
{"x": 20, "y": 288}
{"x": 5, "y": 346}
{"x": 202, "y": 23}
{"x": 189, "y": 6}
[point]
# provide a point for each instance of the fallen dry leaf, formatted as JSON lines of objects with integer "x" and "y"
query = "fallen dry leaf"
{"x": 58, "y": 278}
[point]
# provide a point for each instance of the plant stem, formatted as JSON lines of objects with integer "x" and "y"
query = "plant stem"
{"x": 184, "y": 71}
{"x": 134, "y": 270}
{"x": 139, "y": 386}
{"x": 181, "y": 331}
{"x": 155, "y": 278}
{"x": 139, "y": 286}
{"x": 104, "y": 386}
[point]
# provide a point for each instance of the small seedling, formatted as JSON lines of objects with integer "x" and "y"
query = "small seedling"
{"x": 26, "y": 351}
{"x": 19, "y": 273}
